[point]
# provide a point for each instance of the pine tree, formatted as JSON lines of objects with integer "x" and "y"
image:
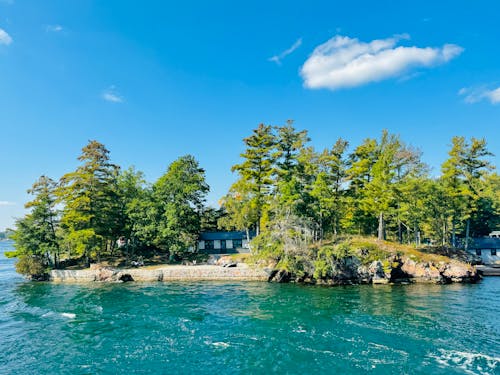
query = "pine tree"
{"x": 328, "y": 187}
{"x": 91, "y": 212}
{"x": 35, "y": 237}
{"x": 179, "y": 196}
{"x": 255, "y": 183}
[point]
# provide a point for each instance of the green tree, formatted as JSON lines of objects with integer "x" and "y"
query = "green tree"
{"x": 463, "y": 176}
{"x": 328, "y": 187}
{"x": 378, "y": 170}
{"x": 179, "y": 196}
{"x": 359, "y": 176}
{"x": 255, "y": 183}
{"x": 91, "y": 212}
{"x": 291, "y": 190}
{"x": 35, "y": 239}
{"x": 131, "y": 187}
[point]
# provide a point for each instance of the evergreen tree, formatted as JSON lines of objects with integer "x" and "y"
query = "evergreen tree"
{"x": 35, "y": 238}
{"x": 91, "y": 209}
{"x": 328, "y": 187}
{"x": 463, "y": 176}
{"x": 255, "y": 183}
{"x": 131, "y": 193}
{"x": 179, "y": 196}
{"x": 291, "y": 193}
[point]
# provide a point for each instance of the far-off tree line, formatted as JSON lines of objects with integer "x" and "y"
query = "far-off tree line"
{"x": 283, "y": 185}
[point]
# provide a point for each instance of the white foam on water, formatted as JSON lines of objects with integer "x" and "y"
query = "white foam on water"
{"x": 220, "y": 344}
{"x": 470, "y": 363}
{"x": 68, "y": 315}
{"x": 299, "y": 329}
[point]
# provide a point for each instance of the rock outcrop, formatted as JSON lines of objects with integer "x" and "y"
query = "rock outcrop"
{"x": 393, "y": 270}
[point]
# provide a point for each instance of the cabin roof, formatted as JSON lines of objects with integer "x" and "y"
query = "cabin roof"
{"x": 231, "y": 235}
{"x": 485, "y": 243}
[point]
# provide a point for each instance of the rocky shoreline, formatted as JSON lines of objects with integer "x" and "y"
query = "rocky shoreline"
{"x": 241, "y": 272}
{"x": 347, "y": 271}
{"x": 350, "y": 271}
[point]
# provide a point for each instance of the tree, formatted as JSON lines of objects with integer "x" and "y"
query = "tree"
{"x": 291, "y": 193}
{"x": 91, "y": 210}
{"x": 289, "y": 144}
{"x": 179, "y": 196}
{"x": 328, "y": 188}
{"x": 130, "y": 186}
{"x": 378, "y": 169}
{"x": 210, "y": 218}
{"x": 35, "y": 238}
{"x": 241, "y": 207}
{"x": 359, "y": 175}
{"x": 255, "y": 176}
{"x": 463, "y": 175}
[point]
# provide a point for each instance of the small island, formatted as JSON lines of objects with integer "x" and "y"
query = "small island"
{"x": 372, "y": 215}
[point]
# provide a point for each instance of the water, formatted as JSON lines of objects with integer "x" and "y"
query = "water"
{"x": 232, "y": 328}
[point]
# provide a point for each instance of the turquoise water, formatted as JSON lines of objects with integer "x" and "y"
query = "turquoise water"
{"x": 242, "y": 328}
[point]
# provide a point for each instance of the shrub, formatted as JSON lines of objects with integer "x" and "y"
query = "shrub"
{"x": 32, "y": 266}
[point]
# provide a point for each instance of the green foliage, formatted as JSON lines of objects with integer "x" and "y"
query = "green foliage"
{"x": 381, "y": 188}
{"x": 328, "y": 256}
{"x": 368, "y": 252}
{"x": 463, "y": 178}
{"x": 169, "y": 217}
{"x": 250, "y": 194}
{"x": 31, "y": 265}
{"x": 90, "y": 218}
{"x": 297, "y": 199}
{"x": 35, "y": 234}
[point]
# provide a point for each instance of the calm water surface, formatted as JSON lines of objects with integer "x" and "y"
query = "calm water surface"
{"x": 232, "y": 328}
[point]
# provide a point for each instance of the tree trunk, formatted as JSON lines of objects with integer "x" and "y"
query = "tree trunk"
{"x": 416, "y": 235}
{"x": 453, "y": 234}
{"x": 400, "y": 232}
{"x": 335, "y": 229}
{"x": 444, "y": 232}
{"x": 467, "y": 230}
{"x": 381, "y": 227}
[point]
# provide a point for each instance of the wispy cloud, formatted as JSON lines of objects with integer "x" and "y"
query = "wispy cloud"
{"x": 277, "y": 58}
{"x": 7, "y": 203}
{"x": 54, "y": 28}
{"x": 344, "y": 62}
{"x": 111, "y": 95}
{"x": 5, "y": 38}
{"x": 474, "y": 95}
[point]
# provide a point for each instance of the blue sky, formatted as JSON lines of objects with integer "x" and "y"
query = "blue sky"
{"x": 154, "y": 80}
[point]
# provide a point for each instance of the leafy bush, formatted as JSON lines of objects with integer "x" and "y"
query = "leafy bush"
{"x": 32, "y": 266}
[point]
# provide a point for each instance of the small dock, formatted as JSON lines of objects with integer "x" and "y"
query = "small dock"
{"x": 488, "y": 270}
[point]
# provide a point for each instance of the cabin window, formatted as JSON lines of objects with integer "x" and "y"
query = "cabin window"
{"x": 493, "y": 251}
{"x": 237, "y": 244}
{"x": 222, "y": 244}
{"x": 209, "y": 244}
{"x": 478, "y": 252}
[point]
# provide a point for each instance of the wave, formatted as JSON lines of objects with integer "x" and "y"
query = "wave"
{"x": 470, "y": 363}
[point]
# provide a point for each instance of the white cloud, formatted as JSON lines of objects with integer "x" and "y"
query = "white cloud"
{"x": 7, "y": 203}
{"x": 5, "y": 38}
{"x": 54, "y": 28}
{"x": 474, "y": 95}
{"x": 277, "y": 58}
{"x": 344, "y": 62}
{"x": 111, "y": 95}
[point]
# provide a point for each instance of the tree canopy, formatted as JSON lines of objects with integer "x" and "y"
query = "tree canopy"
{"x": 290, "y": 194}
